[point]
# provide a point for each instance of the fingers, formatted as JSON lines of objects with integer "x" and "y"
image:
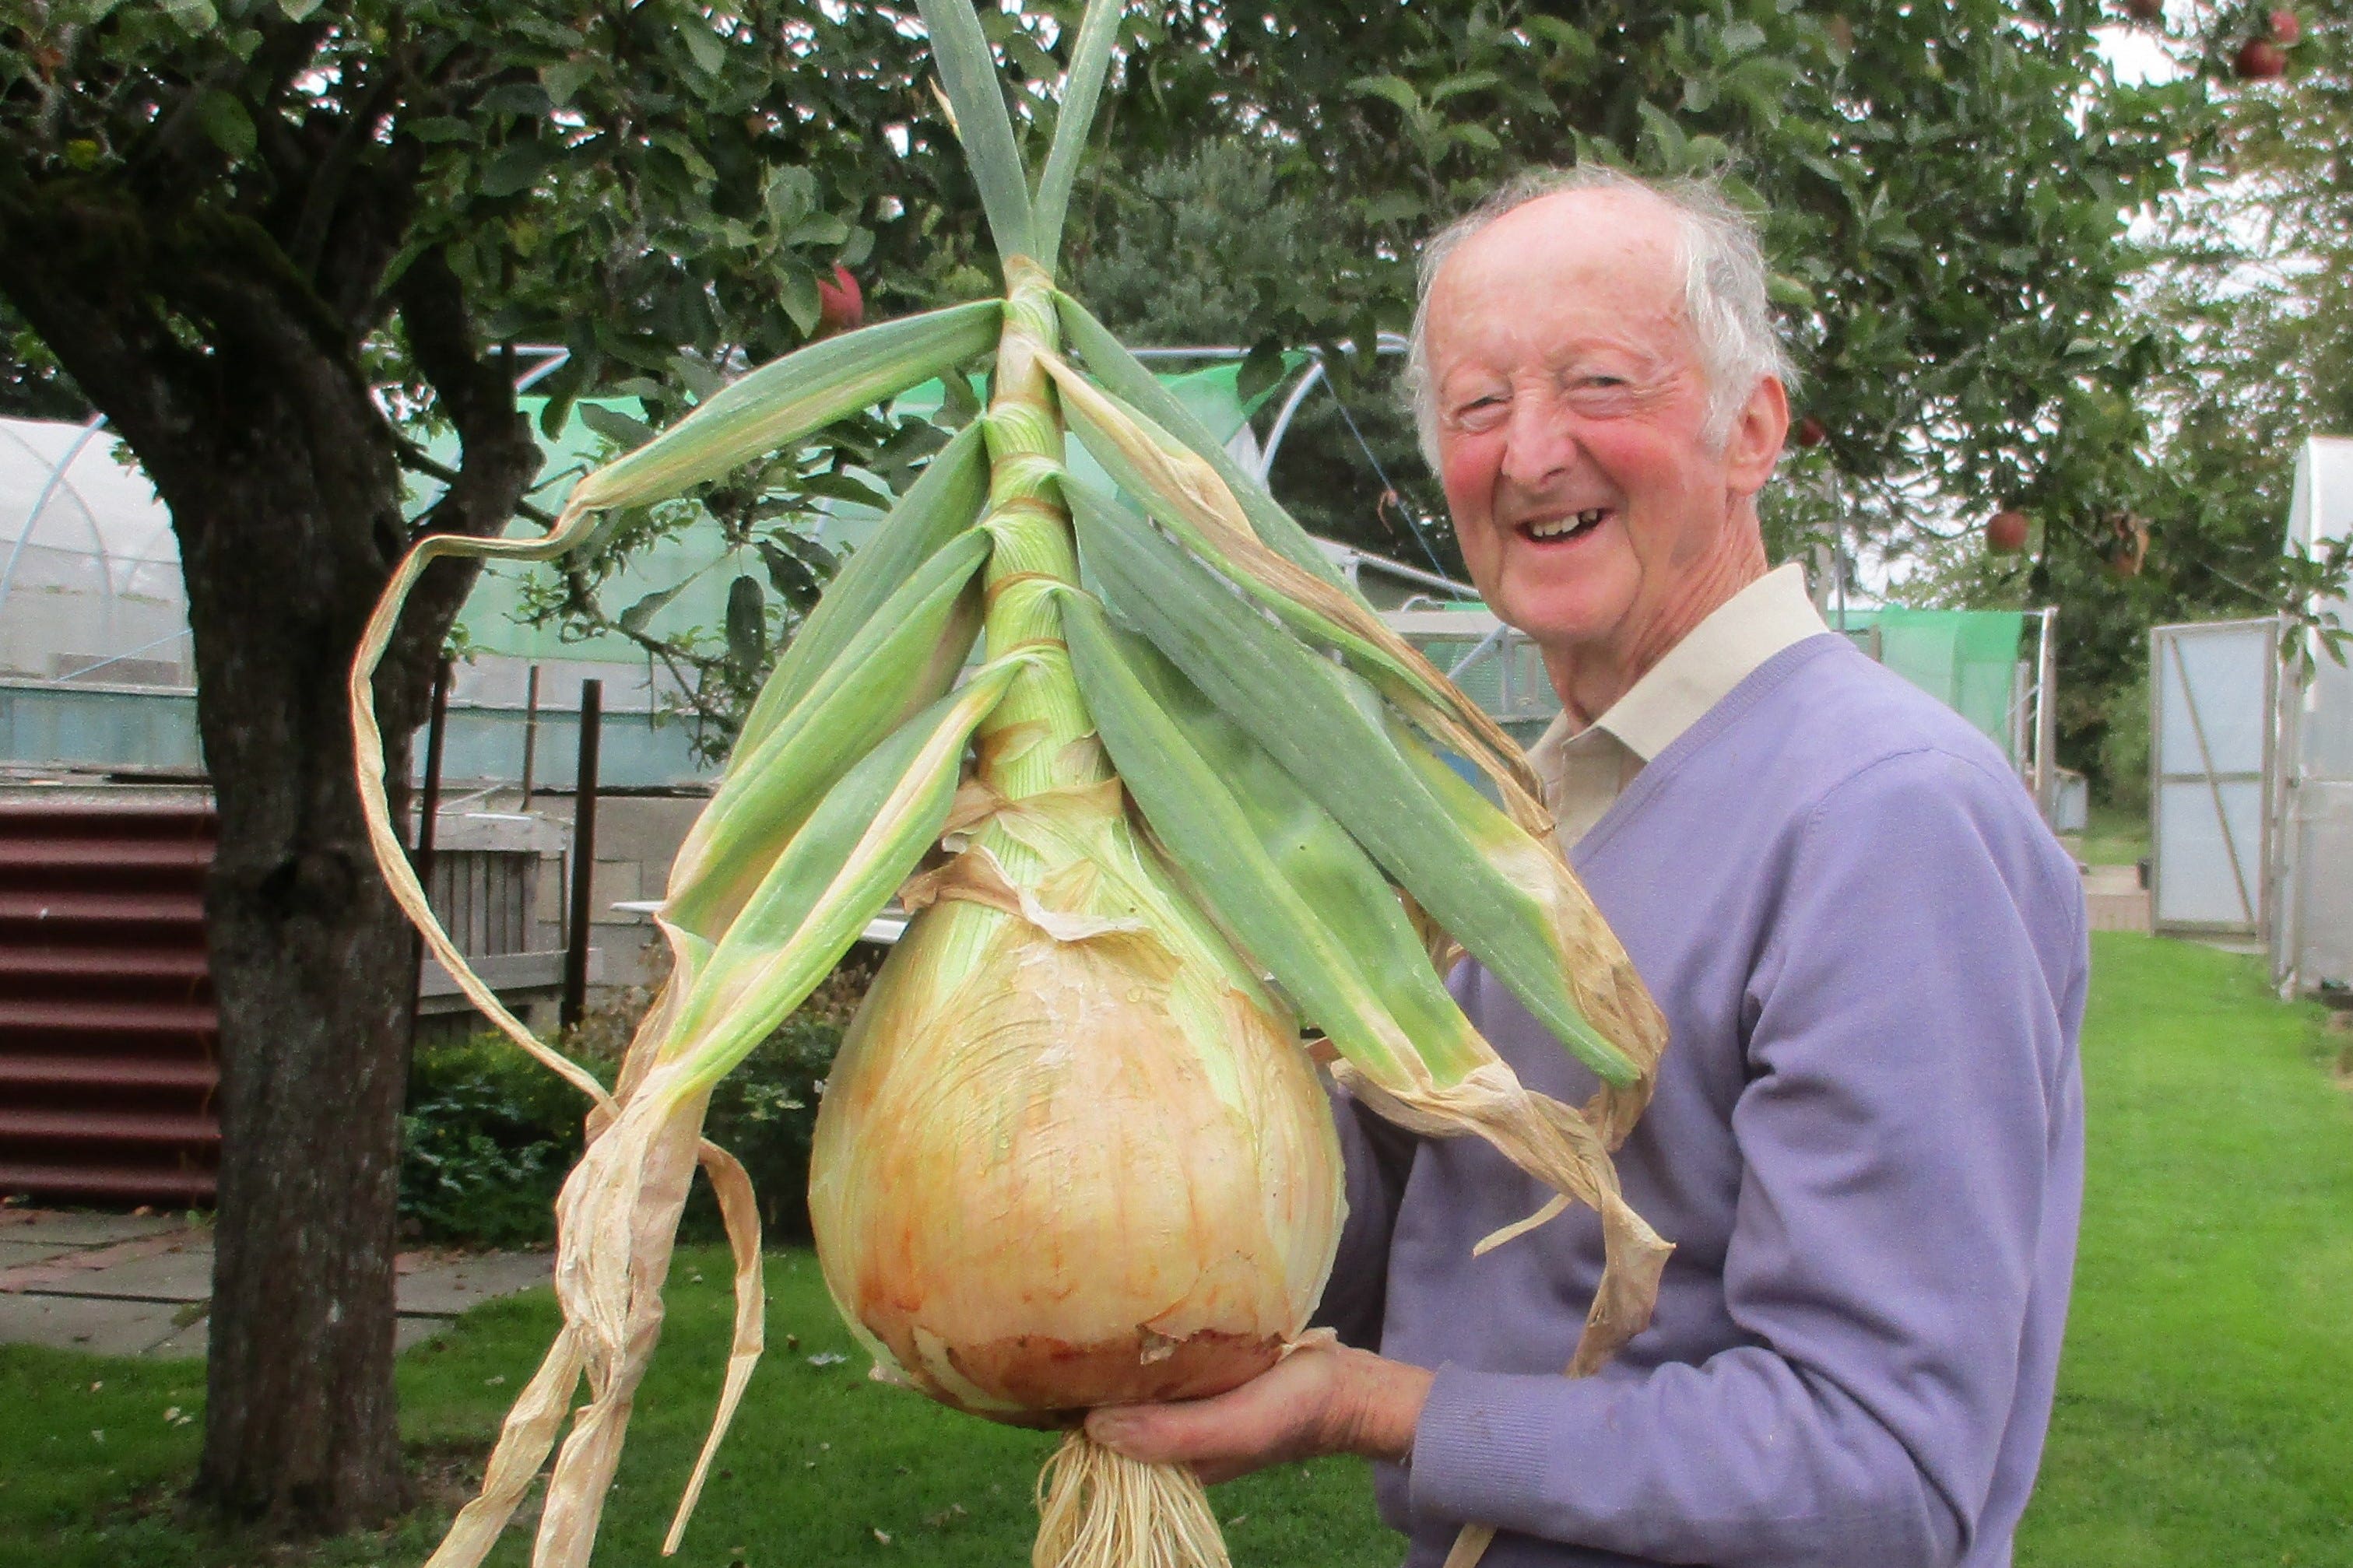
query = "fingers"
{"x": 1294, "y": 1411}
{"x": 1218, "y": 1473}
{"x": 1322, "y": 1399}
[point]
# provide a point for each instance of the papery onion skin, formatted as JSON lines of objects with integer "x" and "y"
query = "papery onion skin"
{"x": 1073, "y": 1173}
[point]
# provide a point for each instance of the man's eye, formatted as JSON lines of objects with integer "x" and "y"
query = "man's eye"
{"x": 1478, "y": 408}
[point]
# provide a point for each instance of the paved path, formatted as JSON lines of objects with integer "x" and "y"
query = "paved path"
{"x": 140, "y": 1284}
{"x": 2113, "y": 899}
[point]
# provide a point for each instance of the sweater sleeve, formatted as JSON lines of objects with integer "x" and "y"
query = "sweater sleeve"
{"x": 1913, "y": 1016}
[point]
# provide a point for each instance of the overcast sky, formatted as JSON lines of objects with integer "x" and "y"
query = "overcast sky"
{"x": 2138, "y": 56}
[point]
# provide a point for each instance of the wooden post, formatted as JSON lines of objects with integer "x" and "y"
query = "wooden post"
{"x": 530, "y": 732}
{"x": 584, "y": 858}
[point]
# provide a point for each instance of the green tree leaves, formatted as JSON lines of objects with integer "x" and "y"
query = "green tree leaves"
{"x": 1946, "y": 188}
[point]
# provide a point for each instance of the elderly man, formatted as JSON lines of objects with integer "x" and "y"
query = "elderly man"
{"x": 1866, "y": 1142}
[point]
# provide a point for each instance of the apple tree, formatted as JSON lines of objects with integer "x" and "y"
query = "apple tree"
{"x": 1950, "y": 197}
{"x": 251, "y": 233}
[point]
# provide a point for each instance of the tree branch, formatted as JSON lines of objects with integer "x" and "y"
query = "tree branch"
{"x": 230, "y": 274}
{"x": 501, "y": 454}
{"x": 74, "y": 272}
{"x": 417, "y": 459}
{"x": 307, "y": 240}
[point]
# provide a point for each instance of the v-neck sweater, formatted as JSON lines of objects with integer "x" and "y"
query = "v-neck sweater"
{"x": 1584, "y": 770}
{"x": 1866, "y": 1146}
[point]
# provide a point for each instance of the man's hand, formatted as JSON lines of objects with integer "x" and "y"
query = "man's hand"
{"x": 1320, "y": 1399}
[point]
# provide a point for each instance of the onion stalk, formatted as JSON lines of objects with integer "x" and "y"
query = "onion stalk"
{"x": 1182, "y": 828}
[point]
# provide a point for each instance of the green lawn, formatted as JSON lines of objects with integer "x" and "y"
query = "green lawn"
{"x": 2114, "y": 836}
{"x": 821, "y": 1465}
{"x": 2201, "y": 1417}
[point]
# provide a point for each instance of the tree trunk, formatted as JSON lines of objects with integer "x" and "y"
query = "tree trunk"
{"x": 310, "y": 962}
{"x": 286, "y": 542}
{"x": 283, "y": 479}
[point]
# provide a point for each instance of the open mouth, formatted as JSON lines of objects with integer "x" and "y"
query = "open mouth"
{"x": 1570, "y": 526}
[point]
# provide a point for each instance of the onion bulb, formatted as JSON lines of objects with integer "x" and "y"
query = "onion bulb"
{"x": 1054, "y": 1173}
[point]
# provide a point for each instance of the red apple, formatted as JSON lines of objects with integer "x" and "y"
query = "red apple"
{"x": 2260, "y": 60}
{"x": 840, "y": 306}
{"x": 2145, "y": 10}
{"x": 2287, "y": 26}
{"x": 1811, "y": 432}
{"x": 2006, "y": 533}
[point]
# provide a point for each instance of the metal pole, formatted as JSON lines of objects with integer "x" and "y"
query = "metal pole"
{"x": 2046, "y": 717}
{"x": 428, "y": 804}
{"x": 429, "y": 813}
{"x": 1281, "y": 426}
{"x": 530, "y": 732}
{"x": 584, "y": 858}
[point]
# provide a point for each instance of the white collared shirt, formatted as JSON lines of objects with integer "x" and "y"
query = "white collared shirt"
{"x": 1584, "y": 771}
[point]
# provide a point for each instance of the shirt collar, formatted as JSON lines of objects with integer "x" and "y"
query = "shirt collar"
{"x": 1700, "y": 671}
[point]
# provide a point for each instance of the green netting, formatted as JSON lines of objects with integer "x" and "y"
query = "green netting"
{"x": 1967, "y": 659}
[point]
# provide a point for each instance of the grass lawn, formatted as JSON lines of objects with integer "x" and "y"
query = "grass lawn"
{"x": 2201, "y": 1416}
{"x": 2114, "y": 836}
{"x": 821, "y": 1466}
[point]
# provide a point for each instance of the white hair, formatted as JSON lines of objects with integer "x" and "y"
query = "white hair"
{"x": 1724, "y": 288}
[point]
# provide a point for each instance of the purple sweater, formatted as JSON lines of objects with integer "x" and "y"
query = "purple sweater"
{"x": 1866, "y": 1146}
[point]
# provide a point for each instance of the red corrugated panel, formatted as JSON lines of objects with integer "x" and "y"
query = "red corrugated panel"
{"x": 108, "y": 1032}
{"x": 88, "y": 1182}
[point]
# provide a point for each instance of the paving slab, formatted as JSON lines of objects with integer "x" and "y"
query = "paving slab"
{"x": 81, "y": 1323}
{"x": 183, "y": 1273}
{"x": 139, "y": 1284}
{"x": 446, "y": 1286}
{"x": 14, "y": 1252}
{"x": 189, "y": 1338}
{"x": 87, "y": 1229}
{"x": 413, "y": 1332}
{"x": 81, "y": 1263}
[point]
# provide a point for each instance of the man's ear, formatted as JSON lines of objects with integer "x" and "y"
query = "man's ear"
{"x": 1755, "y": 443}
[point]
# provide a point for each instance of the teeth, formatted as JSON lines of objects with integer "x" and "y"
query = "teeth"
{"x": 1560, "y": 526}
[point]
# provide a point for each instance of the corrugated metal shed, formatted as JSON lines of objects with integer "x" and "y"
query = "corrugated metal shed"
{"x": 109, "y": 1040}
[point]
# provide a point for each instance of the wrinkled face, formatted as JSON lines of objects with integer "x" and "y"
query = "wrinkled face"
{"x": 1572, "y": 409}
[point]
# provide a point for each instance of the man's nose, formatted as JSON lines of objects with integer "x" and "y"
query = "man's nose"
{"x": 1540, "y": 443}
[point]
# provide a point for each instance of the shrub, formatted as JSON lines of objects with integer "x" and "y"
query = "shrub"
{"x": 2124, "y": 749}
{"x": 765, "y": 1112}
{"x": 485, "y": 1140}
{"x": 489, "y": 1134}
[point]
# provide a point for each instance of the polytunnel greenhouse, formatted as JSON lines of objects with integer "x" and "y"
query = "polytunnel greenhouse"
{"x": 96, "y": 670}
{"x": 95, "y": 664}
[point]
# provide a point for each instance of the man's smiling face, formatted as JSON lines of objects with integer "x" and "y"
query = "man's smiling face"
{"x": 1572, "y": 412}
